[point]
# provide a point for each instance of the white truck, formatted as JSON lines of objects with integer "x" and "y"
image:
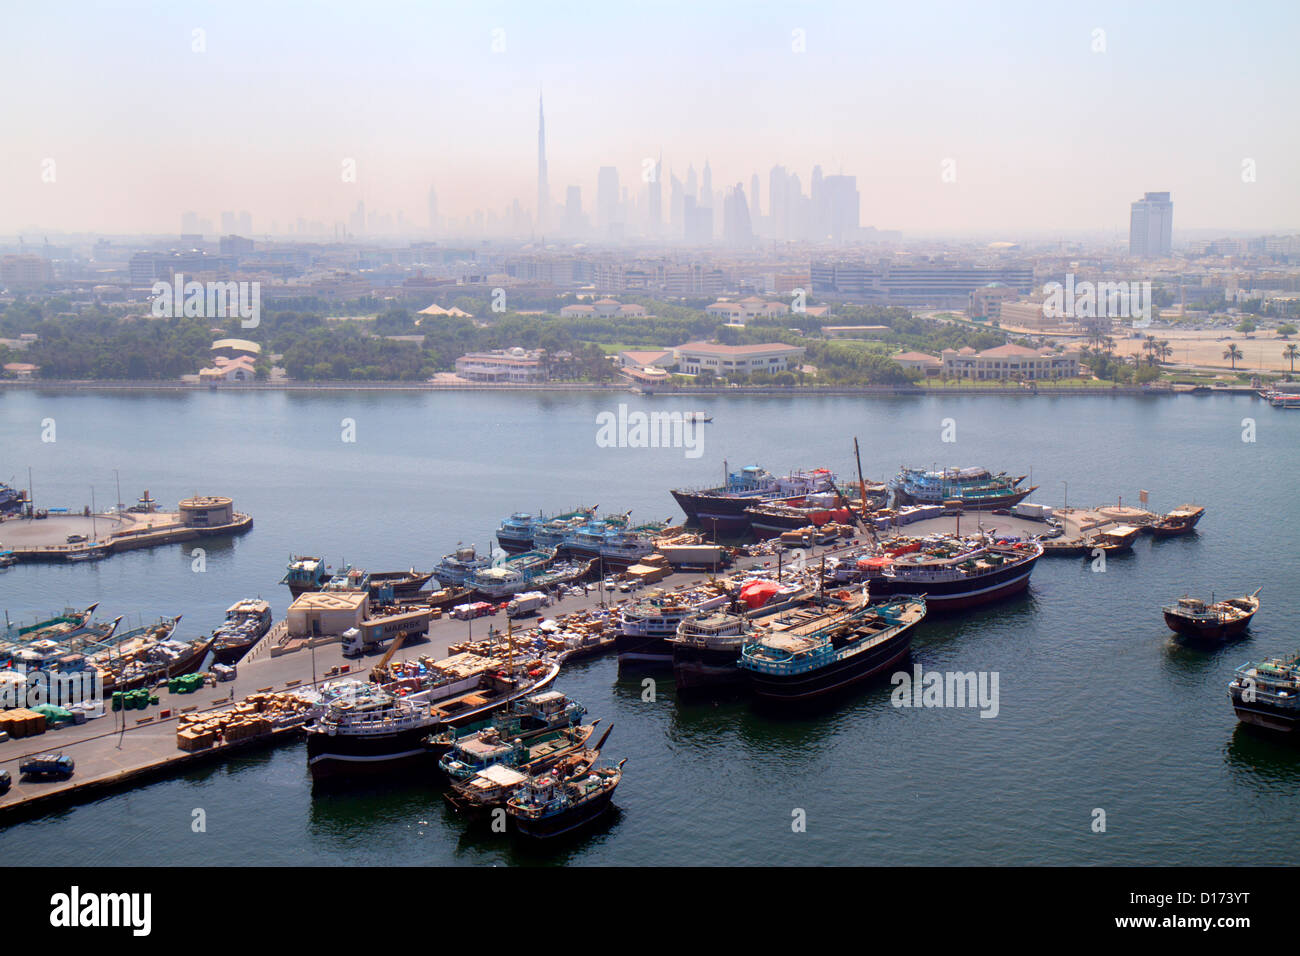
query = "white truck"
{"x": 526, "y": 603}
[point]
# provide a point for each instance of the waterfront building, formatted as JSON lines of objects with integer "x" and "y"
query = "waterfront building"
{"x": 224, "y": 369}
{"x": 695, "y": 357}
{"x": 1009, "y": 362}
{"x": 919, "y": 362}
{"x": 502, "y": 365}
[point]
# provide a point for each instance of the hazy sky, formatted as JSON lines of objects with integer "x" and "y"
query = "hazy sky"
{"x": 1047, "y": 135}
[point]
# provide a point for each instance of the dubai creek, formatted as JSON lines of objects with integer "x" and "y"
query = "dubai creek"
{"x": 1100, "y": 708}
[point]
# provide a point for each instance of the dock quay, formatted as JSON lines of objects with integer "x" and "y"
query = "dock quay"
{"x": 124, "y": 749}
{"x": 82, "y": 536}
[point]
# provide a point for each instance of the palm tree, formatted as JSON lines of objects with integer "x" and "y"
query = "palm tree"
{"x": 1292, "y": 353}
{"x": 1233, "y": 353}
{"x": 1164, "y": 350}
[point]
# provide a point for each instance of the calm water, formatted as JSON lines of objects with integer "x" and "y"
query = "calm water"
{"x": 1099, "y": 708}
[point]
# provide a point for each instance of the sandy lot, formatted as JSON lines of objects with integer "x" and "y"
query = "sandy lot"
{"x": 1261, "y": 352}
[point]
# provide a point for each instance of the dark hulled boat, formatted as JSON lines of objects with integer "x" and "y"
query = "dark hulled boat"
{"x": 547, "y": 807}
{"x": 647, "y": 626}
{"x": 384, "y": 728}
{"x": 721, "y": 509}
{"x": 475, "y": 798}
{"x": 1193, "y": 618}
{"x": 967, "y": 574}
{"x": 796, "y": 667}
{"x": 974, "y": 489}
{"x": 1182, "y": 520}
{"x": 1267, "y": 694}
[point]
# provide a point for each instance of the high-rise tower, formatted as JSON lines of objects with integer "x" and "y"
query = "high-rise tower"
{"x": 543, "y": 187}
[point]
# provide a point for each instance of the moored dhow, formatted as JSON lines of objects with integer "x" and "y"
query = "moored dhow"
{"x": 528, "y": 717}
{"x": 518, "y": 533}
{"x": 1267, "y": 694}
{"x": 455, "y": 569}
{"x": 385, "y": 730}
{"x": 1182, "y": 520}
{"x": 246, "y": 623}
{"x": 1215, "y": 621}
{"x": 306, "y": 573}
{"x": 952, "y": 573}
{"x": 973, "y": 489}
{"x": 706, "y": 648}
{"x": 826, "y": 656}
{"x": 546, "y": 806}
{"x": 646, "y": 626}
{"x": 721, "y": 509}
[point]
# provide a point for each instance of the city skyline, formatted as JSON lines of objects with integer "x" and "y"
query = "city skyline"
{"x": 1034, "y": 124}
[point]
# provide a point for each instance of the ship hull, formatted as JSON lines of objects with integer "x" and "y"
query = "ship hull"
{"x": 1173, "y": 531}
{"x": 1206, "y": 632}
{"x": 958, "y": 595}
{"x": 704, "y": 668}
{"x": 349, "y": 755}
{"x": 512, "y": 544}
{"x": 1013, "y": 497}
{"x": 834, "y": 678}
{"x": 232, "y": 653}
{"x": 1265, "y": 717}
{"x": 719, "y": 514}
{"x": 644, "y": 652}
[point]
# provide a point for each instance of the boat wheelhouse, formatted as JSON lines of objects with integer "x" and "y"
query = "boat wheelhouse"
{"x": 455, "y": 569}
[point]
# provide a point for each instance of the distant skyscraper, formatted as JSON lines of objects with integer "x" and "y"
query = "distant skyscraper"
{"x": 842, "y": 207}
{"x": 607, "y": 200}
{"x": 574, "y": 224}
{"x": 433, "y": 210}
{"x": 543, "y": 187}
{"x": 190, "y": 224}
{"x": 754, "y": 197}
{"x": 777, "y": 184}
{"x": 692, "y": 188}
{"x": 676, "y": 206}
{"x": 736, "y": 228}
{"x": 1151, "y": 225}
{"x": 655, "y": 212}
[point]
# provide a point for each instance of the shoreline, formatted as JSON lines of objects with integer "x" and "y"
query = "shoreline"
{"x": 882, "y": 391}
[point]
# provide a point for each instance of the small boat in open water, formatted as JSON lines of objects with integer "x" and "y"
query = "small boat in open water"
{"x": 1267, "y": 694}
{"x": 1216, "y": 621}
{"x": 1182, "y": 520}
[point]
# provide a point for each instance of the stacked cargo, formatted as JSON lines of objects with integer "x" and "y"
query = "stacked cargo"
{"x": 187, "y": 683}
{"x": 256, "y": 715}
{"x": 137, "y": 699}
{"x": 22, "y": 722}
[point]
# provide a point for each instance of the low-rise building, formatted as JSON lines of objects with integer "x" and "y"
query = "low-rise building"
{"x": 696, "y": 357}
{"x": 229, "y": 370}
{"x": 502, "y": 365}
{"x": 919, "y": 362}
{"x": 1009, "y": 362}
